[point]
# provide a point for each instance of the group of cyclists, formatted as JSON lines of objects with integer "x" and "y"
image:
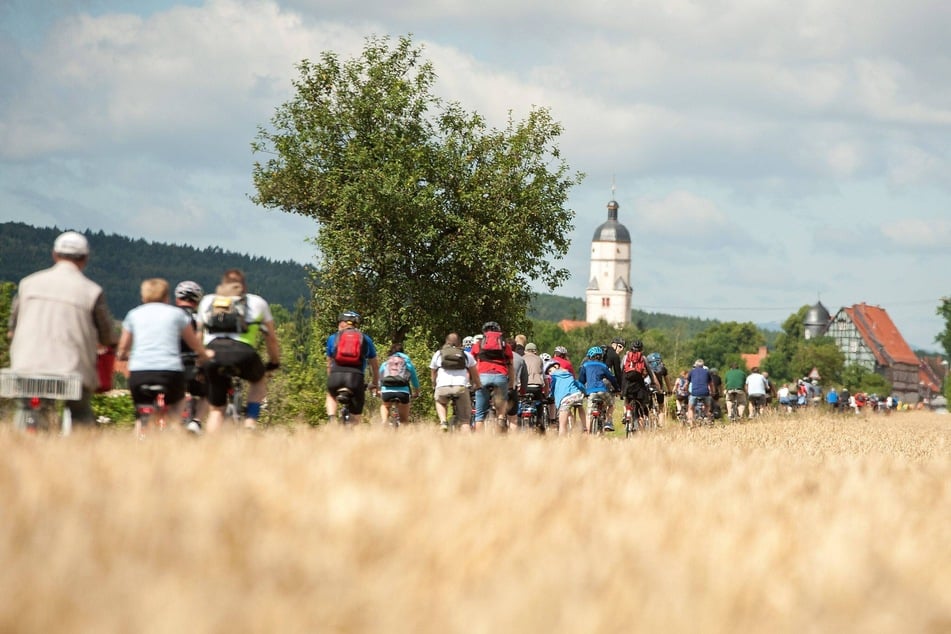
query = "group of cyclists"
{"x": 487, "y": 381}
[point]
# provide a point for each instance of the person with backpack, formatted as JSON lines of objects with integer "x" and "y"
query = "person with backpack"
{"x": 595, "y": 376}
{"x": 398, "y": 380}
{"x": 636, "y": 374}
{"x": 453, "y": 371}
{"x": 349, "y": 351}
{"x": 655, "y": 362}
{"x": 187, "y": 296}
{"x": 494, "y": 363}
{"x": 233, "y": 320}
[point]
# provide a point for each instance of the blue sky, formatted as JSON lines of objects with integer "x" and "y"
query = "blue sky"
{"x": 765, "y": 153}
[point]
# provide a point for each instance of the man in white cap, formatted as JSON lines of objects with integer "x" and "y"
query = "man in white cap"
{"x": 58, "y": 319}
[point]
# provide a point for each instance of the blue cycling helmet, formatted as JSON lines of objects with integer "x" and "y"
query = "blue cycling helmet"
{"x": 595, "y": 351}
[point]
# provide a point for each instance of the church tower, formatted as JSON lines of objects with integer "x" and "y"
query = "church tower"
{"x": 608, "y": 295}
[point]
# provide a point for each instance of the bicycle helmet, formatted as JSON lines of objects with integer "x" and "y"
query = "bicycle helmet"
{"x": 188, "y": 290}
{"x": 637, "y": 344}
{"x": 551, "y": 365}
{"x": 561, "y": 351}
{"x": 595, "y": 352}
{"x": 545, "y": 357}
{"x": 467, "y": 341}
{"x": 491, "y": 326}
{"x": 618, "y": 341}
{"x": 350, "y": 317}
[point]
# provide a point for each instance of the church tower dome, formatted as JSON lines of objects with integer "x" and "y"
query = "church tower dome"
{"x": 608, "y": 295}
{"x": 816, "y": 321}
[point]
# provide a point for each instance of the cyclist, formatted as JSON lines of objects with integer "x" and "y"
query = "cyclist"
{"x": 660, "y": 385}
{"x": 612, "y": 359}
{"x": 756, "y": 390}
{"x": 151, "y": 340}
{"x": 346, "y": 372}
{"x": 561, "y": 356}
{"x": 396, "y": 385}
{"x": 595, "y": 376}
{"x": 187, "y": 296}
{"x": 735, "y": 396}
{"x": 232, "y": 320}
{"x": 567, "y": 392}
{"x": 701, "y": 389}
{"x": 682, "y": 393}
{"x": 637, "y": 377}
{"x": 57, "y": 319}
{"x": 452, "y": 374}
{"x": 494, "y": 363}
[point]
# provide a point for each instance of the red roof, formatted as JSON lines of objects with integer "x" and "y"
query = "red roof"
{"x": 755, "y": 359}
{"x": 880, "y": 334}
{"x": 569, "y": 324}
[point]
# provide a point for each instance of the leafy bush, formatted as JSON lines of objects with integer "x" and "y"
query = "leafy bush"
{"x": 116, "y": 406}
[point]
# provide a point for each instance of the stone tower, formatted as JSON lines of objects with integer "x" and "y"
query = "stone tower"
{"x": 608, "y": 295}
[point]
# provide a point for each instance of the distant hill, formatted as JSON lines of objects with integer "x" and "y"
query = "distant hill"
{"x": 557, "y": 307}
{"x": 119, "y": 265}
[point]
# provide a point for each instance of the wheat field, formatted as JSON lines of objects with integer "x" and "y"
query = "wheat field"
{"x": 786, "y": 524}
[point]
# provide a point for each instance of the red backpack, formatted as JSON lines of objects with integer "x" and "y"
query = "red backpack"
{"x": 492, "y": 347}
{"x": 348, "y": 348}
{"x": 634, "y": 363}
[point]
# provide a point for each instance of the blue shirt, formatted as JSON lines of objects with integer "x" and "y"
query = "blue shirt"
{"x": 699, "y": 379}
{"x": 592, "y": 375}
{"x": 413, "y": 377}
{"x": 368, "y": 347}
{"x": 563, "y": 383}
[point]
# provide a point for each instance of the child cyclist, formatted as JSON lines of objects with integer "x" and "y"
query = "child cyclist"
{"x": 595, "y": 376}
{"x": 566, "y": 392}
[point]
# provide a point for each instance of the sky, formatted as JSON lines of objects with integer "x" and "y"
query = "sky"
{"x": 765, "y": 154}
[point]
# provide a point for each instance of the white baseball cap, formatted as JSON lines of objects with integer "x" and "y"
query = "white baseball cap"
{"x": 71, "y": 243}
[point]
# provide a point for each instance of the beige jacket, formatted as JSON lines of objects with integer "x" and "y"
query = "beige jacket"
{"x": 59, "y": 317}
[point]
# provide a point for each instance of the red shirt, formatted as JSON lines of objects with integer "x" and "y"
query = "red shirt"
{"x": 491, "y": 366}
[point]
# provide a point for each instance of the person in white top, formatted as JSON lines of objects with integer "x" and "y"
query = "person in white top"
{"x": 453, "y": 371}
{"x": 756, "y": 391}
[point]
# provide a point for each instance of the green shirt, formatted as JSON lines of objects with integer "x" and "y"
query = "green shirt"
{"x": 735, "y": 379}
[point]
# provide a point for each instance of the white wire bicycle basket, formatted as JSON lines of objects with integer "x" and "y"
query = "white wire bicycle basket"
{"x": 60, "y": 387}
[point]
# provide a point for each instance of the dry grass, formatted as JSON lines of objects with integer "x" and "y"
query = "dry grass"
{"x": 786, "y": 525}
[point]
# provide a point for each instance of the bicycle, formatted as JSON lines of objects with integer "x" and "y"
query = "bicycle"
{"x": 597, "y": 416}
{"x": 343, "y": 397}
{"x": 38, "y": 397}
{"x": 154, "y": 411}
{"x": 531, "y": 414}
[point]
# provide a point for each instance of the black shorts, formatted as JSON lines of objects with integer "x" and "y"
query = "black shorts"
{"x": 352, "y": 379}
{"x": 398, "y": 397}
{"x": 232, "y": 358}
{"x": 174, "y": 383}
{"x": 638, "y": 396}
{"x": 195, "y": 382}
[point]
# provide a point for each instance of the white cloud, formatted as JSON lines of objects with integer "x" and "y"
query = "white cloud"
{"x": 918, "y": 234}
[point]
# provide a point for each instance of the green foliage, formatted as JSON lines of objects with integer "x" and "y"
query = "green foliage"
{"x": 944, "y": 337}
{"x": 7, "y": 291}
{"x": 859, "y": 379}
{"x": 119, "y": 265}
{"x": 821, "y": 353}
{"x": 426, "y": 218}
{"x": 779, "y": 363}
{"x": 116, "y": 406}
{"x": 719, "y": 342}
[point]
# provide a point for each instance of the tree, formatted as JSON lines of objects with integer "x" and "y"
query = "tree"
{"x": 425, "y": 217}
{"x": 779, "y": 363}
{"x": 7, "y": 291}
{"x": 718, "y": 342}
{"x": 860, "y": 379}
{"x": 821, "y": 353}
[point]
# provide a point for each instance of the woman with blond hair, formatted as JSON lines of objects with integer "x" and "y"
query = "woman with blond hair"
{"x": 150, "y": 340}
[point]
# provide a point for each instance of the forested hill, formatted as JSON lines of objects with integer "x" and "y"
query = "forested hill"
{"x": 557, "y": 307}
{"x": 119, "y": 265}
